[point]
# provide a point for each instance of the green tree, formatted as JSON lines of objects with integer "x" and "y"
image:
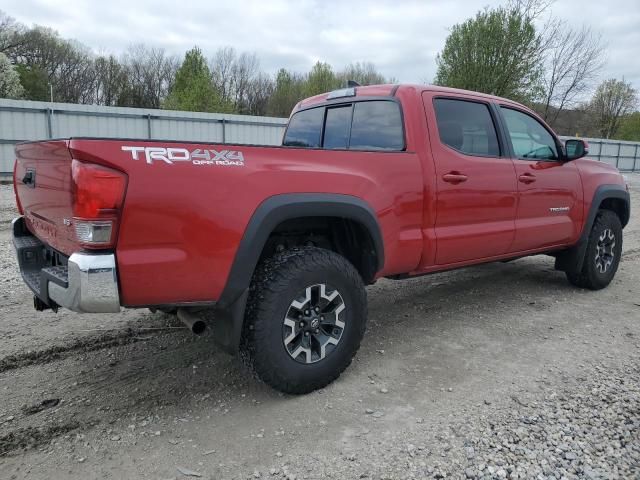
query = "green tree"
{"x": 497, "y": 52}
{"x": 35, "y": 82}
{"x": 10, "y": 86}
{"x": 612, "y": 101}
{"x": 288, "y": 90}
{"x": 289, "y": 87}
{"x": 67, "y": 64}
{"x": 630, "y": 128}
{"x": 192, "y": 89}
{"x": 320, "y": 79}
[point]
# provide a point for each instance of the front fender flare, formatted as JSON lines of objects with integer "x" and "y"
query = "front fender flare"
{"x": 575, "y": 255}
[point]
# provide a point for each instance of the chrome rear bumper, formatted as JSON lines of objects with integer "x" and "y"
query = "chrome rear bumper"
{"x": 83, "y": 282}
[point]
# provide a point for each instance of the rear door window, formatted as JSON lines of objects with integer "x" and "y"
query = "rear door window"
{"x": 304, "y": 129}
{"x": 337, "y": 127}
{"x": 365, "y": 125}
{"x": 377, "y": 125}
{"x": 467, "y": 127}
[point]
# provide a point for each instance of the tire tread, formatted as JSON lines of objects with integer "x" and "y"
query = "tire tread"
{"x": 273, "y": 276}
{"x": 584, "y": 276}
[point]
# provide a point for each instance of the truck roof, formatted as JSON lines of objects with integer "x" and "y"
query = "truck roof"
{"x": 389, "y": 90}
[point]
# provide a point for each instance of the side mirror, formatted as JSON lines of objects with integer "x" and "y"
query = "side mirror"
{"x": 575, "y": 148}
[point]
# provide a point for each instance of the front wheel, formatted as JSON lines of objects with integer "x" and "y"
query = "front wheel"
{"x": 602, "y": 257}
{"x": 306, "y": 316}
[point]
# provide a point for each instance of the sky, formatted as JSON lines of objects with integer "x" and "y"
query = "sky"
{"x": 401, "y": 37}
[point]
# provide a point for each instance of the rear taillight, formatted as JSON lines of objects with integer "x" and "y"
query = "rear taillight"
{"x": 98, "y": 193}
{"x": 15, "y": 187}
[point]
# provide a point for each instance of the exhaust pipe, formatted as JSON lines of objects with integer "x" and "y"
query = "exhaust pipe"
{"x": 193, "y": 322}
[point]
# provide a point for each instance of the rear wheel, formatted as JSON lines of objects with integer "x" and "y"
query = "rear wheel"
{"x": 306, "y": 316}
{"x": 602, "y": 257}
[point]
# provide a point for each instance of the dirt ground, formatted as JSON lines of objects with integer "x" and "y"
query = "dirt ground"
{"x": 496, "y": 371}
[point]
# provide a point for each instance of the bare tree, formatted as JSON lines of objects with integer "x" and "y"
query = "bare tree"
{"x": 10, "y": 32}
{"x": 221, "y": 67}
{"x": 110, "y": 80}
{"x": 613, "y": 100}
{"x": 239, "y": 80}
{"x": 258, "y": 93}
{"x": 150, "y": 72}
{"x": 531, "y": 9}
{"x": 573, "y": 61}
{"x": 74, "y": 77}
{"x": 364, "y": 73}
{"x": 244, "y": 70}
{"x": 236, "y": 77}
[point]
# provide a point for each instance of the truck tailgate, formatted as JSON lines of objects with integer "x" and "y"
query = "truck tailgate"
{"x": 43, "y": 187}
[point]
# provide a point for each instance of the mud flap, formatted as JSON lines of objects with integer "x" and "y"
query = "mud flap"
{"x": 227, "y": 324}
{"x": 571, "y": 258}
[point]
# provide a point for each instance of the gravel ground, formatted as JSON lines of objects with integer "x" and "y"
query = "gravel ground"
{"x": 496, "y": 371}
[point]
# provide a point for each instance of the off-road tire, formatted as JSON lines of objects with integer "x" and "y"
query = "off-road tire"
{"x": 589, "y": 275}
{"x": 275, "y": 284}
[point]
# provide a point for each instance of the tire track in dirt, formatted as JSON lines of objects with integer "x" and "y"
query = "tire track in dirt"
{"x": 32, "y": 437}
{"x": 81, "y": 345}
{"x": 631, "y": 254}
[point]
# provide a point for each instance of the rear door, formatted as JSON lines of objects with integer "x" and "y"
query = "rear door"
{"x": 549, "y": 189}
{"x": 475, "y": 180}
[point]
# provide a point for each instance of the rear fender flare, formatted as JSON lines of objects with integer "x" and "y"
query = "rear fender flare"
{"x": 269, "y": 214}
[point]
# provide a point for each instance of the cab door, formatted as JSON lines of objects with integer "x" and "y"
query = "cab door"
{"x": 549, "y": 188}
{"x": 476, "y": 188}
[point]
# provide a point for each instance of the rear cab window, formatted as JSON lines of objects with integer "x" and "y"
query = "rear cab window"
{"x": 304, "y": 129}
{"x": 466, "y": 126}
{"x": 359, "y": 125}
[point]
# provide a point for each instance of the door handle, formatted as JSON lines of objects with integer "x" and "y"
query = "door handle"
{"x": 29, "y": 178}
{"x": 454, "y": 177}
{"x": 527, "y": 178}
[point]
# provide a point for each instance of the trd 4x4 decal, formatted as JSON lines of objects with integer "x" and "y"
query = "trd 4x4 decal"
{"x": 196, "y": 157}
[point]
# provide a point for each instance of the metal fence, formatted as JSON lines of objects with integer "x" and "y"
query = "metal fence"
{"x": 24, "y": 120}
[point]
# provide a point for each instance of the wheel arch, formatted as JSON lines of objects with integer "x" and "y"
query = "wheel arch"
{"x": 618, "y": 205}
{"x": 271, "y": 213}
{"x": 606, "y": 197}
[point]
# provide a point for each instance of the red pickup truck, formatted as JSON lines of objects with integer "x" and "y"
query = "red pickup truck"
{"x": 273, "y": 246}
